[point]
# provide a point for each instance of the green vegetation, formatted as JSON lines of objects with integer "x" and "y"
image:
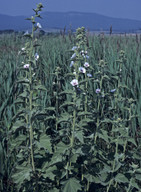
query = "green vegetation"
{"x": 70, "y": 129}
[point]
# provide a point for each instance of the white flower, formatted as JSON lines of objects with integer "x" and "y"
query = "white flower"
{"x": 71, "y": 64}
{"x": 26, "y": 66}
{"x": 74, "y": 72}
{"x": 113, "y": 90}
{"x": 82, "y": 52}
{"x": 73, "y": 56}
{"x": 36, "y": 56}
{"x": 82, "y": 69}
{"x": 86, "y": 64}
{"x": 74, "y": 82}
{"x": 23, "y": 49}
{"x": 89, "y": 75}
{"x": 97, "y": 90}
{"x": 39, "y": 25}
{"x": 75, "y": 47}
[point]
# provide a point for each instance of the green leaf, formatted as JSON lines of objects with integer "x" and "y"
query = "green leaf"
{"x": 106, "y": 77}
{"x": 18, "y": 141}
{"x": 79, "y": 136}
{"x": 61, "y": 148}
{"x": 48, "y": 171}
{"x": 39, "y": 114}
{"x": 67, "y": 92}
{"x": 50, "y": 109}
{"x": 134, "y": 184}
{"x": 84, "y": 113}
{"x": 120, "y": 178}
{"x": 132, "y": 140}
{"x": 84, "y": 122}
{"x": 24, "y": 94}
{"x": 40, "y": 87}
{"x": 92, "y": 179}
{"x": 56, "y": 158}
{"x": 22, "y": 174}
{"x": 74, "y": 158}
{"x": 67, "y": 104}
{"x": 103, "y": 135}
{"x": 138, "y": 177}
{"x": 71, "y": 185}
{"x": 50, "y": 117}
{"x": 64, "y": 119}
{"x": 23, "y": 80}
{"x": 45, "y": 143}
{"x": 18, "y": 125}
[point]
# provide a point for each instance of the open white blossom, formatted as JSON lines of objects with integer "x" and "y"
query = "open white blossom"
{"x": 36, "y": 56}
{"x": 86, "y": 64}
{"x": 82, "y": 69}
{"x": 26, "y": 66}
{"x": 74, "y": 82}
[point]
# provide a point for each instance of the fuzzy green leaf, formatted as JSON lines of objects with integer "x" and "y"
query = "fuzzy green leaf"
{"x": 71, "y": 185}
{"x": 67, "y": 104}
{"x": 23, "y": 80}
{"x": 40, "y": 87}
{"x": 138, "y": 177}
{"x": 91, "y": 178}
{"x": 48, "y": 172}
{"x": 18, "y": 125}
{"x": 45, "y": 143}
{"x": 120, "y": 178}
{"x": 22, "y": 174}
{"x": 79, "y": 136}
{"x": 50, "y": 109}
{"x": 134, "y": 184}
{"x": 63, "y": 119}
{"x": 103, "y": 135}
{"x": 74, "y": 157}
{"x": 132, "y": 140}
{"x": 67, "y": 92}
{"x": 84, "y": 113}
{"x": 50, "y": 117}
{"x": 61, "y": 148}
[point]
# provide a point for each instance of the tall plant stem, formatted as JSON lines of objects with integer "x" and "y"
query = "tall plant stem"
{"x": 30, "y": 103}
{"x": 74, "y": 121}
{"x": 97, "y": 124}
{"x": 86, "y": 98}
{"x": 57, "y": 103}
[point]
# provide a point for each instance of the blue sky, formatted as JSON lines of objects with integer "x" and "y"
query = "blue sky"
{"x": 115, "y": 8}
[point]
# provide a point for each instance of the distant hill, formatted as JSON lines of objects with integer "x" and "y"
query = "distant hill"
{"x": 73, "y": 20}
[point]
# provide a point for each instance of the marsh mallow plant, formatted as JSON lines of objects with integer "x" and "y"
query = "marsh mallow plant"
{"x": 72, "y": 128}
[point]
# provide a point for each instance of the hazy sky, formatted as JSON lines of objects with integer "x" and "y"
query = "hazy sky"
{"x": 116, "y": 8}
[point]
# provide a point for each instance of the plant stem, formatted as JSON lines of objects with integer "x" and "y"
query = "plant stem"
{"x": 74, "y": 120}
{"x": 86, "y": 88}
{"x": 30, "y": 103}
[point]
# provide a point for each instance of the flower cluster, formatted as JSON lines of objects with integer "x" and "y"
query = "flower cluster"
{"x": 76, "y": 55}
